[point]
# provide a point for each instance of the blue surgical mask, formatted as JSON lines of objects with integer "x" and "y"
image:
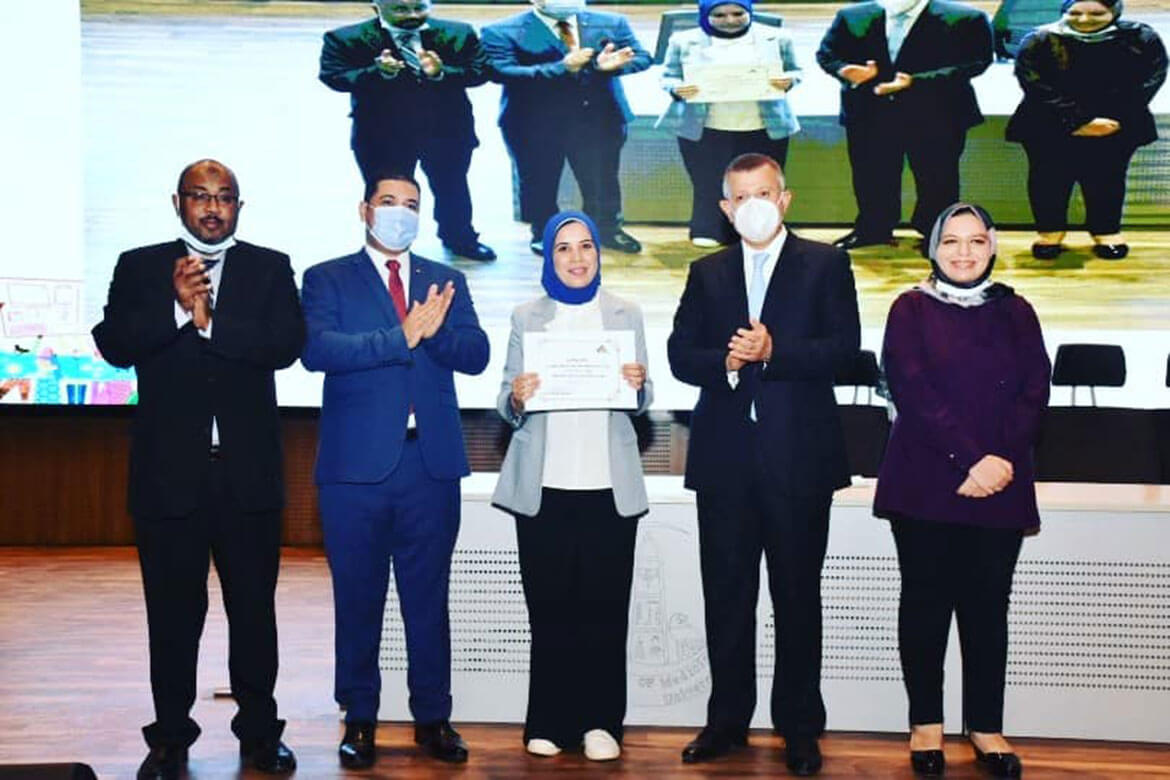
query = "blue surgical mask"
{"x": 563, "y": 9}
{"x": 395, "y": 227}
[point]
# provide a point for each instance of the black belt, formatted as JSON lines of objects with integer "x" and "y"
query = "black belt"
{"x": 214, "y": 453}
{"x": 411, "y": 434}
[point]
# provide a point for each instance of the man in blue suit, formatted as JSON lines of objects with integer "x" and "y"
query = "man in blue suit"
{"x": 562, "y": 100}
{"x": 390, "y": 457}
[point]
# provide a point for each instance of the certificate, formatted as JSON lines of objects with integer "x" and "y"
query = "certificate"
{"x": 580, "y": 369}
{"x": 722, "y": 83}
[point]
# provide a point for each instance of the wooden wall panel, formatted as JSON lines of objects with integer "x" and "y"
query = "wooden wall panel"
{"x": 63, "y": 477}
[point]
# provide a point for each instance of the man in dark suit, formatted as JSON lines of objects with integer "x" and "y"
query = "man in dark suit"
{"x": 562, "y": 100}
{"x": 905, "y": 68}
{"x": 205, "y": 320}
{"x": 390, "y": 329}
{"x": 408, "y": 76}
{"x": 761, "y": 328}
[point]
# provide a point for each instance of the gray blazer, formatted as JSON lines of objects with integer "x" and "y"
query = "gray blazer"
{"x": 519, "y": 487}
{"x": 686, "y": 47}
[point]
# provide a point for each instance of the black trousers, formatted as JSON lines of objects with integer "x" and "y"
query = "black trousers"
{"x": 877, "y": 148}
{"x": 1099, "y": 165}
{"x": 593, "y": 149}
{"x": 577, "y": 565}
{"x": 174, "y": 553}
{"x": 706, "y": 160}
{"x": 965, "y": 571}
{"x": 445, "y": 163}
{"x": 735, "y": 526}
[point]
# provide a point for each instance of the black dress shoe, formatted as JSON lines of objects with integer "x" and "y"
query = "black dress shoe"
{"x": 272, "y": 757}
{"x": 998, "y": 764}
{"x": 1111, "y": 251}
{"x": 357, "y": 750}
{"x": 854, "y": 240}
{"x": 1046, "y": 251}
{"x": 802, "y": 756}
{"x": 928, "y": 763}
{"x": 537, "y": 246}
{"x": 163, "y": 763}
{"x": 441, "y": 741}
{"x": 711, "y": 744}
{"x": 622, "y": 242}
{"x": 473, "y": 251}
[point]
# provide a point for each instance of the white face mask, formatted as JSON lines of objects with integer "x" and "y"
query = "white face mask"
{"x": 562, "y": 9}
{"x": 395, "y": 227}
{"x": 201, "y": 246}
{"x": 895, "y": 7}
{"x": 757, "y": 219}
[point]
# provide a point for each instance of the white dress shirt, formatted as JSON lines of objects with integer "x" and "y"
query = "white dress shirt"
{"x": 379, "y": 258}
{"x": 911, "y": 17}
{"x": 749, "y": 268}
{"x": 576, "y": 449}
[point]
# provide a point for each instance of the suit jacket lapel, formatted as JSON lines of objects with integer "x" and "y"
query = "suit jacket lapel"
{"x": 542, "y": 314}
{"x": 538, "y": 35}
{"x": 736, "y": 283}
{"x": 785, "y": 278}
{"x": 613, "y": 312}
{"x": 232, "y": 279}
{"x": 373, "y": 283}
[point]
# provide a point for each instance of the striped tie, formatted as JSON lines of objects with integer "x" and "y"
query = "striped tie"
{"x": 406, "y": 40}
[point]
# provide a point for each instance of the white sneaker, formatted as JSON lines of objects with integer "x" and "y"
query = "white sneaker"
{"x": 601, "y": 746}
{"x": 704, "y": 243}
{"x": 542, "y": 747}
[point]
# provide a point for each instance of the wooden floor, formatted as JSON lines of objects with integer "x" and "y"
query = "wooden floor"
{"x": 73, "y": 687}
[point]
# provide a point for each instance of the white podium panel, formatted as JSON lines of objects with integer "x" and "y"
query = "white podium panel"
{"x": 1089, "y": 651}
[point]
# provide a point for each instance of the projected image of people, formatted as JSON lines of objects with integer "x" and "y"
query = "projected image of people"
{"x": 560, "y": 66}
{"x": 712, "y": 130}
{"x": 1088, "y": 80}
{"x": 905, "y": 68}
{"x": 408, "y": 75}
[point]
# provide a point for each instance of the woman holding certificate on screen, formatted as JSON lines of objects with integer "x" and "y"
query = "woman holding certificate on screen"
{"x": 573, "y": 480}
{"x": 729, "y": 79}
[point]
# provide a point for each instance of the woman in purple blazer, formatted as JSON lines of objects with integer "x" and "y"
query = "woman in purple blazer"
{"x": 969, "y": 376}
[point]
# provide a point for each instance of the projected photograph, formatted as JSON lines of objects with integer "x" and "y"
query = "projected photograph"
{"x": 293, "y": 97}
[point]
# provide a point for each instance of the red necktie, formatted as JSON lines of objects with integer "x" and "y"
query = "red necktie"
{"x": 397, "y": 294}
{"x": 565, "y": 31}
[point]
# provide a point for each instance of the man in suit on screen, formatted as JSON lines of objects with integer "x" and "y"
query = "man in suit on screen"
{"x": 563, "y": 100}
{"x": 390, "y": 329}
{"x": 905, "y": 68}
{"x": 205, "y": 320}
{"x": 408, "y": 75}
{"x": 761, "y": 329}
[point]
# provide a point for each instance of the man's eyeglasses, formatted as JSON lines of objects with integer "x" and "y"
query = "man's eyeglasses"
{"x": 204, "y": 198}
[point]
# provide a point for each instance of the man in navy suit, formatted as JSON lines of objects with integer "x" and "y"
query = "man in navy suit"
{"x": 390, "y": 329}
{"x": 408, "y": 75}
{"x": 205, "y": 320}
{"x": 560, "y": 67}
{"x": 905, "y": 68}
{"x": 761, "y": 329}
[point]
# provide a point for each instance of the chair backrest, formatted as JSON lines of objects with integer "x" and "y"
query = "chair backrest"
{"x": 862, "y": 371}
{"x": 1088, "y": 365}
{"x": 675, "y": 21}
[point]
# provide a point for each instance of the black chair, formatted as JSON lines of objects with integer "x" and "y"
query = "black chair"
{"x": 1088, "y": 365}
{"x": 867, "y": 427}
{"x": 674, "y": 21}
{"x": 1096, "y": 443}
